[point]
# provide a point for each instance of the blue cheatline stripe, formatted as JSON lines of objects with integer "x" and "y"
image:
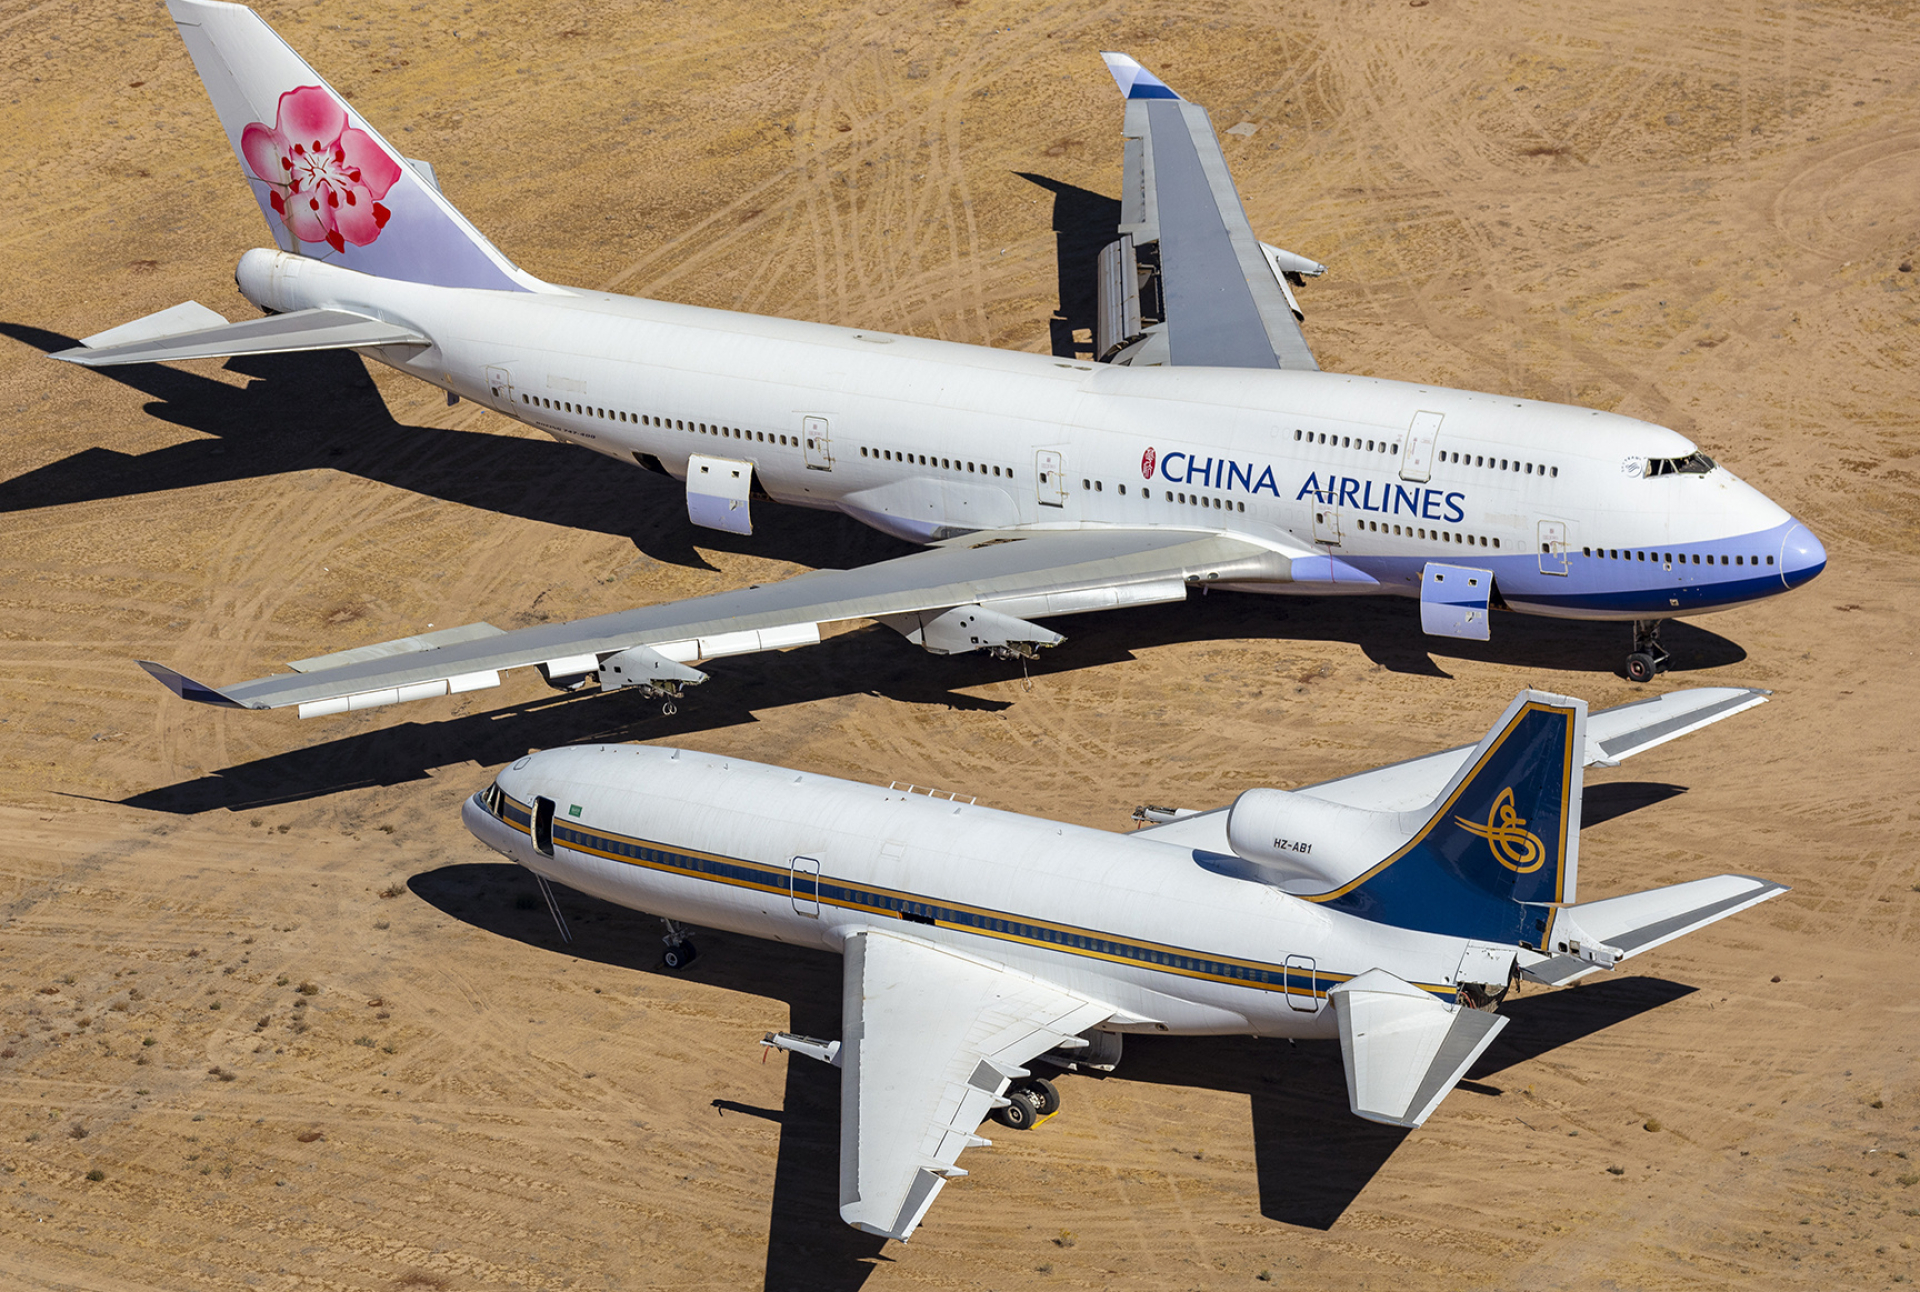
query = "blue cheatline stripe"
{"x": 1000, "y": 925}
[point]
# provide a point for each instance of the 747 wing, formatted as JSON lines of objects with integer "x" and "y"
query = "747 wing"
{"x": 966, "y": 594}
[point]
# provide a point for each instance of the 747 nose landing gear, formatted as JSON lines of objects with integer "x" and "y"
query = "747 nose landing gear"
{"x": 1649, "y": 656}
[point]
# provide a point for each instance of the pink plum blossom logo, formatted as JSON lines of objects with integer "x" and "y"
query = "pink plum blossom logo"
{"x": 1147, "y": 460}
{"x": 327, "y": 177}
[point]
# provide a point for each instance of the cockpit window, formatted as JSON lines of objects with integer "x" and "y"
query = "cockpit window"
{"x": 491, "y": 799}
{"x": 1696, "y": 465}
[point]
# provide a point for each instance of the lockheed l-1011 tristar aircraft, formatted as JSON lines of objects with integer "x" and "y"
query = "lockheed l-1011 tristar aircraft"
{"x": 1392, "y": 909}
{"x": 1206, "y": 448}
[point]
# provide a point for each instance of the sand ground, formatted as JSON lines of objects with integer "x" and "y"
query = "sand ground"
{"x": 1700, "y": 214}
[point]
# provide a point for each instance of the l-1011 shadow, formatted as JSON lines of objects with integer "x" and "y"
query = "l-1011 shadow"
{"x": 1313, "y": 1158}
{"x": 809, "y": 1248}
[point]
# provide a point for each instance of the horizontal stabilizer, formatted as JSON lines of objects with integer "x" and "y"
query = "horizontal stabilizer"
{"x": 188, "y": 316}
{"x": 186, "y": 688}
{"x": 1613, "y": 735}
{"x": 1404, "y": 1050}
{"x": 1596, "y": 935}
{"x": 275, "y": 334}
{"x": 1628, "y": 729}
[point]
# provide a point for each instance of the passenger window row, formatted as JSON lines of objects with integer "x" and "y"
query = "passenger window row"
{"x": 1195, "y": 500}
{"x": 1431, "y": 535}
{"x": 1498, "y": 464}
{"x": 1446, "y": 455}
{"x": 945, "y": 464}
{"x": 1668, "y": 558}
{"x": 1345, "y": 441}
{"x": 663, "y": 423}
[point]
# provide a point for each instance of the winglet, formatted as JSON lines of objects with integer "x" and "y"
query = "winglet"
{"x": 1135, "y": 81}
{"x": 186, "y": 688}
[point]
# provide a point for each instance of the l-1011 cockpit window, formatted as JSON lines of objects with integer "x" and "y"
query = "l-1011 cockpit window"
{"x": 1696, "y": 465}
{"x": 491, "y": 799}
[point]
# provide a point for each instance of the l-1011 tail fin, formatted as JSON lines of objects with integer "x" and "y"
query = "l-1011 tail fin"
{"x": 330, "y": 186}
{"x": 1501, "y": 844}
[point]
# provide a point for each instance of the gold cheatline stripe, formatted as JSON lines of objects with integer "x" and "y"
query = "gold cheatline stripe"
{"x": 784, "y": 889}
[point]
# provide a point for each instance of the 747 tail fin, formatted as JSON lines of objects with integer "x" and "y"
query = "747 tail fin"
{"x": 330, "y": 186}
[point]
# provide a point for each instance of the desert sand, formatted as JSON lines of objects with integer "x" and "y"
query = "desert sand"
{"x": 308, "y": 1033}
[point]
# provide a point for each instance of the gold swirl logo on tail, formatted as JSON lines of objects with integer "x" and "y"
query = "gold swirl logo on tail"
{"x": 1514, "y": 846}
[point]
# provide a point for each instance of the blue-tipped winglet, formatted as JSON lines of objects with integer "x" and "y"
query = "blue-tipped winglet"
{"x": 186, "y": 688}
{"x": 1135, "y": 81}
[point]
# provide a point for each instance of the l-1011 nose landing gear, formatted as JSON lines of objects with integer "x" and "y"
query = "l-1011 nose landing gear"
{"x": 1649, "y": 657}
{"x": 680, "y": 950}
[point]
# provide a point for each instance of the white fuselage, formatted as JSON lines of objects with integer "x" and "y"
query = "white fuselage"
{"x": 1145, "y": 926}
{"x": 927, "y": 439}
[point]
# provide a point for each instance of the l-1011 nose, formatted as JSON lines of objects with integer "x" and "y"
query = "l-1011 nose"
{"x": 1801, "y": 556}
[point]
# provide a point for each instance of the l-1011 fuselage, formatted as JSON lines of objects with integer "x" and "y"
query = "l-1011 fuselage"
{"x": 769, "y": 852}
{"x": 1579, "y": 513}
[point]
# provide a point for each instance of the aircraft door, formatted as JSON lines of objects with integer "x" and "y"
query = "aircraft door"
{"x": 1050, "y": 477}
{"x": 806, "y": 886}
{"x": 1553, "y": 547}
{"x": 1416, "y": 458}
{"x": 500, "y": 389}
{"x": 813, "y": 431}
{"x": 1326, "y": 524}
{"x": 1301, "y": 984}
{"x": 543, "y": 826}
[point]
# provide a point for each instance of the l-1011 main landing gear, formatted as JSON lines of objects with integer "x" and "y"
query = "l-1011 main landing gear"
{"x": 1649, "y": 657}
{"x": 1028, "y": 1104}
{"x": 680, "y": 950}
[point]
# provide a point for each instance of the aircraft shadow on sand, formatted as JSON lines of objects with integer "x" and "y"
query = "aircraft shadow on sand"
{"x": 533, "y": 479}
{"x": 1083, "y": 223}
{"x": 874, "y": 661}
{"x": 1312, "y": 1156}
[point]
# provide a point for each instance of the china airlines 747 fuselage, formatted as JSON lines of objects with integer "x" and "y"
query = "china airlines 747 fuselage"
{"x": 1579, "y": 513}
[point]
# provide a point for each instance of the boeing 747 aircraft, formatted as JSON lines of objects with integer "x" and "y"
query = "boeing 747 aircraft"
{"x": 1205, "y": 447}
{"x": 1392, "y": 909}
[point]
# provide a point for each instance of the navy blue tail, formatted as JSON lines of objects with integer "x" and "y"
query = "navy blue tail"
{"x": 1506, "y": 832}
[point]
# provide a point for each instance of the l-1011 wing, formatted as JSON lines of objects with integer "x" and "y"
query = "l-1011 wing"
{"x": 967, "y": 594}
{"x": 1612, "y": 735}
{"x": 930, "y": 1040}
{"x": 1221, "y": 296}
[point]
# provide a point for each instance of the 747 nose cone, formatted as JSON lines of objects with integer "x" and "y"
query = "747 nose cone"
{"x": 1801, "y": 556}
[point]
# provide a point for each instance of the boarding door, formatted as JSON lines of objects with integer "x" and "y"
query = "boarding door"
{"x": 1553, "y": 547}
{"x": 543, "y": 826}
{"x": 500, "y": 387}
{"x": 1050, "y": 477}
{"x": 1326, "y": 524}
{"x": 1301, "y": 984}
{"x": 806, "y": 886}
{"x": 813, "y": 430}
{"x": 1416, "y": 458}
